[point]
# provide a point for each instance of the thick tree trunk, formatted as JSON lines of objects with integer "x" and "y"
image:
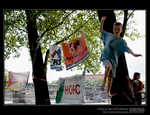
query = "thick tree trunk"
{"x": 121, "y": 85}
{"x": 39, "y": 76}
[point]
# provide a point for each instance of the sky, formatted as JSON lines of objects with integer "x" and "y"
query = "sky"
{"x": 135, "y": 64}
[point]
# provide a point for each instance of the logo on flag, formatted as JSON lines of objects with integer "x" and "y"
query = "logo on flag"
{"x": 18, "y": 81}
{"x": 55, "y": 55}
{"x": 75, "y": 52}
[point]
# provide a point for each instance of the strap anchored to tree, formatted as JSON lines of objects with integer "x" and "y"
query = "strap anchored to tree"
{"x": 40, "y": 79}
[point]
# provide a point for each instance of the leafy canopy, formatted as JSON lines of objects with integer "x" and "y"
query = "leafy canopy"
{"x": 57, "y": 24}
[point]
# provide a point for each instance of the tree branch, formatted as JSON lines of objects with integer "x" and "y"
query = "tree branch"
{"x": 40, "y": 37}
{"x": 56, "y": 25}
{"x": 124, "y": 22}
{"x": 65, "y": 38}
{"x": 47, "y": 52}
{"x": 130, "y": 14}
{"x": 126, "y": 17}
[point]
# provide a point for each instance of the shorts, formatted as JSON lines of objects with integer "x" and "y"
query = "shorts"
{"x": 107, "y": 63}
{"x": 113, "y": 70}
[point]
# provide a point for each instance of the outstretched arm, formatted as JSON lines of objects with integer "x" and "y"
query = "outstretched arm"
{"x": 102, "y": 23}
{"x": 135, "y": 55}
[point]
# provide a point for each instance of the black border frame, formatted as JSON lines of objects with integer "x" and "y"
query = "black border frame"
{"x": 67, "y": 108}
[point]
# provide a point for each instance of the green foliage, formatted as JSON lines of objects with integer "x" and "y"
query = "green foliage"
{"x": 131, "y": 29}
{"x": 16, "y": 35}
{"x": 14, "y": 32}
{"x": 57, "y": 24}
{"x": 94, "y": 82}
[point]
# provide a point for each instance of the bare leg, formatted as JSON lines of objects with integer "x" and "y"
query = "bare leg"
{"x": 109, "y": 86}
{"x": 107, "y": 70}
{"x": 104, "y": 82}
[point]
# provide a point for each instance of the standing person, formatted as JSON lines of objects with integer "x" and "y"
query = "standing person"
{"x": 114, "y": 46}
{"x": 137, "y": 88}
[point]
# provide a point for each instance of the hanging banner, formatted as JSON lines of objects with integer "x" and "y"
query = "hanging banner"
{"x": 71, "y": 90}
{"x": 75, "y": 52}
{"x": 55, "y": 56}
{"x": 18, "y": 81}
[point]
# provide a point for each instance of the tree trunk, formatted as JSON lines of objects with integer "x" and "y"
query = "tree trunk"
{"x": 39, "y": 76}
{"x": 121, "y": 85}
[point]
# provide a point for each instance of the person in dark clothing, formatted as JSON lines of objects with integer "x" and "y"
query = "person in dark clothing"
{"x": 137, "y": 88}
